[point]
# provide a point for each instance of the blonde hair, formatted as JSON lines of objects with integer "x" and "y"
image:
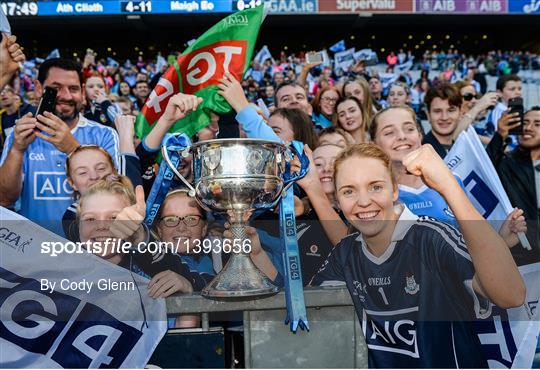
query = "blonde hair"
{"x": 365, "y": 151}
{"x": 349, "y": 140}
{"x": 115, "y": 185}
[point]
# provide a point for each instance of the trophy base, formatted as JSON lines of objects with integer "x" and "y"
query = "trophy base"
{"x": 240, "y": 278}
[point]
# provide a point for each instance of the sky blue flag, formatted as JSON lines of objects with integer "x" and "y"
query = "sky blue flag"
{"x": 4, "y": 24}
{"x": 338, "y": 46}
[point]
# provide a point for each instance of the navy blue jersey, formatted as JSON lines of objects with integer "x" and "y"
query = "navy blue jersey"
{"x": 415, "y": 302}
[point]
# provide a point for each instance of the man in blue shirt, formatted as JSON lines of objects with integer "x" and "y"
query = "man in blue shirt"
{"x": 32, "y": 166}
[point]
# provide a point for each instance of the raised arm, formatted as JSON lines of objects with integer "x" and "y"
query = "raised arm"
{"x": 252, "y": 123}
{"x": 496, "y": 275}
{"x": 333, "y": 225}
{"x": 13, "y": 157}
{"x": 178, "y": 107}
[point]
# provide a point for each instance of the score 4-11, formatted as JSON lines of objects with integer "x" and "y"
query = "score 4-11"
{"x": 137, "y": 6}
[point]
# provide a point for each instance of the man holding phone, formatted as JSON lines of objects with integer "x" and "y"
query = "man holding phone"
{"x": 519, "y": 171}
{"x": 509, "y": 87}
{"x": 32, "y": 166}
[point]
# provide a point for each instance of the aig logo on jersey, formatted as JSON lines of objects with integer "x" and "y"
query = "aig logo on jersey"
{"x": 397, "y": 336}
{"x": 51, "y": 186}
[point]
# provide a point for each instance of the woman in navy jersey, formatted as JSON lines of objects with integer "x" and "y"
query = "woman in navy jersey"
{"x": 417, "y": 284}
{"x": 396, "y": 131}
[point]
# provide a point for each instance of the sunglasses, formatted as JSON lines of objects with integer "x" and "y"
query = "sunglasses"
{"x": 469, "y": 96}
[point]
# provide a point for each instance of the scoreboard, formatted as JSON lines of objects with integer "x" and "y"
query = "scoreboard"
{"x": 30, "y": 8}
{"x": 110, "y": 7}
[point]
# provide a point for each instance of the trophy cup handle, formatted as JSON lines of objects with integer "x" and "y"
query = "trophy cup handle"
{"x": 178, "y": 142}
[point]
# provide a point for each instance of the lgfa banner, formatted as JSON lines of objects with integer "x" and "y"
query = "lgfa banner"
{"x": 72, "y": 310}
{"x": 226, "y": 47}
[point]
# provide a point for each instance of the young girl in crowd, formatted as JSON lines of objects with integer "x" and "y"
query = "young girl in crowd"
{"x": 110, "y": 210}
{"x": 182, "y": 222}
{"x": 98, "y": 106}
{"x": 417, "y": 284}
{"x": 399, "y": 94}
{"x": 335, "y": 135}
{"x": 397, "y": 133}
{"x": 85, "y": 166}
{"x": 324, "y": 105}
{"x": 359, "y": 89}
{"x": 124, "y": 90}
{"x": 351, "y": 118}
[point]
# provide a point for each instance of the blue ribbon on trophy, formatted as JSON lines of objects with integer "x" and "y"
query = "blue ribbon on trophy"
{"x": 172, "y": 147}
{"x": 294, "y": 289}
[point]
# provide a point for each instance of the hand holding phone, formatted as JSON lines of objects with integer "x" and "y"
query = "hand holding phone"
{"x": 48, "y": 101}
{"x": 515, "y": 105}
{"x": 314, "y": 57}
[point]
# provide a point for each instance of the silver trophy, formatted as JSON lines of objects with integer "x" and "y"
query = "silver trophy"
{"x": 236, "y": 177}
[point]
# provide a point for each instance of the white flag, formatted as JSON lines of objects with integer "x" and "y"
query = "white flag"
{"x": 344, "y": 59}
{"x": 263, "y": 55}
{"x": 367, "y": 55}
{"x": 66, "y": 311}
{"x": 4, "y": 23}
{"x": 160, "y": 63}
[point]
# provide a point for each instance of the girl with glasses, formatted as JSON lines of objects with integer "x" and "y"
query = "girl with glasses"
{"x": 324, "y": 106}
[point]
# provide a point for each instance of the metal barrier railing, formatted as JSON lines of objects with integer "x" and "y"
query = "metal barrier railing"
{"x": 334, "y": 328}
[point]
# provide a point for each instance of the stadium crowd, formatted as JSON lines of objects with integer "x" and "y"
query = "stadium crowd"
{"x": 81, "y": 172}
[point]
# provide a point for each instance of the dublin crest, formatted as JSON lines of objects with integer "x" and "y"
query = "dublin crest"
{"x": 411, "y": 287}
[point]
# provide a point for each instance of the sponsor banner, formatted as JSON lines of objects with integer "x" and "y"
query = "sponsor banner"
{"x": 524, "y": 6}
{"x": 359, "y": 6}
{"x": 74, "y": 310}
{"x": 461, "y": 6}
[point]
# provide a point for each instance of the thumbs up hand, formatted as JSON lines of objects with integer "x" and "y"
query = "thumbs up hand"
{"x": 128, "y": 222}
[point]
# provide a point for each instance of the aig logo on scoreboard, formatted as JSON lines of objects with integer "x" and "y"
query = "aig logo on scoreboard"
{"x": 71, "y": 333}
{"x": 51, "y": 186}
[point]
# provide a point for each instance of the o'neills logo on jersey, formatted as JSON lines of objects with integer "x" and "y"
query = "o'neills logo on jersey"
{"x": 379, "y": 281}
{"x": 352, "y": 6}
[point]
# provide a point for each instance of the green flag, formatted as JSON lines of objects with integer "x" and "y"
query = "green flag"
{"x": 227, "y": 46}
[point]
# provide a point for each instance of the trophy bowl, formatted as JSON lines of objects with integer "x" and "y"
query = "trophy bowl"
{"x": 236, "y": 177}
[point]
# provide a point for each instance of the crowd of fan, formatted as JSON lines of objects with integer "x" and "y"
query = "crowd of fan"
{"x": 90, "y": 143}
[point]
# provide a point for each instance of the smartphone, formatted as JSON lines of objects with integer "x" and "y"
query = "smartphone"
{"x": 48, "y": 101}
{"x": 516, "y": 106}
{"x": 314, "y": 57}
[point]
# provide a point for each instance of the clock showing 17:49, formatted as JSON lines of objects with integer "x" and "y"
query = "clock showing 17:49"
{"x": 247, "y": 4}
{"x": 19, "y": 8}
